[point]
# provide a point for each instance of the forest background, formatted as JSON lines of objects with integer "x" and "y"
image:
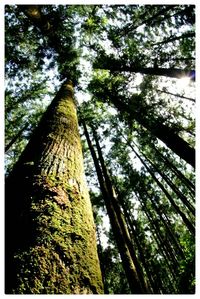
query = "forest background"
{"x": 197, "y": 104}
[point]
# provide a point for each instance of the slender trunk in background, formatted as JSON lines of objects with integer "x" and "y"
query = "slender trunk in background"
{"x": 187, "y": 222}
{"x": 180, "y": 195}
{"x": 176, "y": 95}
{"x": 127, "y": 262}
{"x": 162, "y": 132}
{"x": 118, "y": 212}
{"x": 165, "y": 241}
{"x": 137, "y": 240}
{"x": 151, "y": 21}
{"x": 176, "y": 171}
{"x": 173, "y": 38}
{"x": 166, "y": 223}
{"x": 173, "y": 73}
{"x": 117, "y": 66}
{"x": 50, "y": 234}
{"x": 101, "y": 258}
{"x": 8, "y": 146}
{"x": 160, "y": 243}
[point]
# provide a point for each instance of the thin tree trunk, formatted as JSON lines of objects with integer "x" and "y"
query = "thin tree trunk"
{"x": 177, "y": 172}
{"x": 166, "y": 250}
{"x": 119, "y": 213}
{"x": 151, "y": 19}
{"x": 169, "y": 247}
{"x": 176, "y": 95}
{"x": 16, "y": 137}
{"x": 175, "y": 189}
{"x": 50, "y": 234}
{"x": 174, "y": 205}
{"x": 101, "y": 259}
{"x": 175, "y": 38}
{"x": 171, "y": 72}
{"x": 147, "y": 267}
{"x": 160, "y": 243}
{"x": 170, "y": 183}
{"x": 164, "y": 133}
{"x": 128, "y": 265}
{"x": 134, "y": 234}
{"x": 167, "y": 226}
{"x": 117, "y": 66}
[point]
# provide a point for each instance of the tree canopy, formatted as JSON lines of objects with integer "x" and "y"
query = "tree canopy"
{"x": 133, "y": 71}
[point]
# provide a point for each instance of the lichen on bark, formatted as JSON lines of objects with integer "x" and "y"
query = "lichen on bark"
{"x": 52, "y": 247}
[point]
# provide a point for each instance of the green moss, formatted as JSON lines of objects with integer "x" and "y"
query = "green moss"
{"x": 59, "y": 254}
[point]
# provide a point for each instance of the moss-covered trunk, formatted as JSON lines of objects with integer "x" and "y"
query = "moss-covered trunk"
{"x": 50, "y": 234}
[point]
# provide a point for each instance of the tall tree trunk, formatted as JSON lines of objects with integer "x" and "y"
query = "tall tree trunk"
{"x": 181, "y": 196}
{"x": 173, "y": 141}
{"x": 171, "y": 72}
{"x": 151, "y": 21}
{"x": 117, "y": 66}
{"x": 166, "y": 223}
{"x": 118, "y": 211}
{"x": 128, "y": 264}
{"x": 39, "y": 20}
{"x": 176, "y": 95}
{"x": 50, "y": 233}
{"x": 166, "y": 242}
{"x": 133, "y": 228}
{"x": 159, "y": 241}
{"x": 162, "y": 132}
{"x": 173, "y": 38}
{"x": 175, "y": 170}
{"x": 8, "y": 146}
{"x": 33, "y": 12}
{"x": 187, "y": 222}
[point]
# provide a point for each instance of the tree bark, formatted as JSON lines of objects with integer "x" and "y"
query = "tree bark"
{"x": 173, "y": 38}
{"x": 120, "y": 216}
{"x": 176, "y": 95}
{"x": 187, "y": 222}
{"x": 50, "y": 233}
{"x": 137, "y": 241}
{"x": 128, "y": 264}
{"x": 172, "y": 72}
{"x": 8, "y": 146}
{"x": 170, "y": 183}
{"x": 40, "y": 21}
{"x": 117, "y": 66}
{"x": 160, "y": 243}
{"x": 33, "y": 12}
{"x": 164, "y": 133}
{"x": 176, "y": 171}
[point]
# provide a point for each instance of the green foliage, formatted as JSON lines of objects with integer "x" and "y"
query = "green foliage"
{"x": 115, "y": 279}
{"x": 111, "y": 37}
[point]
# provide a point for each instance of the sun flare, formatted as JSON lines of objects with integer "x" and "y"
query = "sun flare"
{"x": 183, "y": 82}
